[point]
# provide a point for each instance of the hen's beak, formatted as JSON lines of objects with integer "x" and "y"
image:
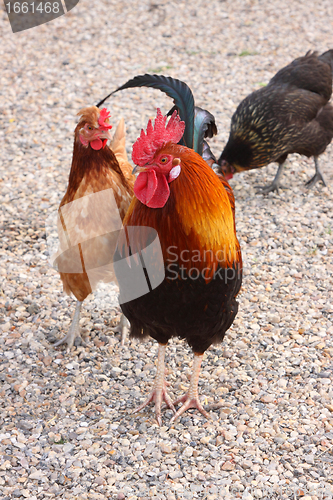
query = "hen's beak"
{"x": 105, "y": 134}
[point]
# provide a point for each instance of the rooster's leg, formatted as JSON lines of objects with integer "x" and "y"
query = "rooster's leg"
{"x": 74, "y": 329}
{"x": 122, "y": 328}
{"x": 317, "y": 176}
{"x": 191, "y": 398}
{"x": 275, "y": 184}
{"x": 159, "y": 392}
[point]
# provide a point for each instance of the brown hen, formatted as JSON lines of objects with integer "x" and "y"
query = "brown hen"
{"x": 99, "y": 192}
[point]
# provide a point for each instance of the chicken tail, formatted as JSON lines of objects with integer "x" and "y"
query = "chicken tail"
{"x": 208, "y": 156}
{"x": 328, "y": 58}
{"x": 199, "y": 123}
{"x": 204, "y": 126}
{"x": 118, "y": 147}
{"x": 176, "y": 89}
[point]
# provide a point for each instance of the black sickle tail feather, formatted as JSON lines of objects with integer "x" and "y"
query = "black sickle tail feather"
{"x": 207, "y": 154}
{"x": 204, "y": 126}
{"x": 176, "y": 89}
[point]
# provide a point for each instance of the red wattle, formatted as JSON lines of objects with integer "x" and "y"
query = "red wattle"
{"x": 161, "y": 194}
{"x": 152, "y": 189}
{"x": 152, "y": 185}
{"x": 140, "y": 187}
{"x": 96, "y": 144}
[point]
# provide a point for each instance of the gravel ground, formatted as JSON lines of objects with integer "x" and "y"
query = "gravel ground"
{"x": 66, "y": 427}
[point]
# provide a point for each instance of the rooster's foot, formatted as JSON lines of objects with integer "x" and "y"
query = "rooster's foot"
{"x": 158, "y": 394}
{"x": 191, "y": 398}
{"x": 189, "y": 402}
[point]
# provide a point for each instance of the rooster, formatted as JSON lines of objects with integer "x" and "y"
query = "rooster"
{"x": 99, "y": 192}
{"x": 290, "y": 115}
{"x": 193, "y": 286}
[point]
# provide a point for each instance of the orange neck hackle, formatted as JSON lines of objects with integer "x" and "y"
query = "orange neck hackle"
{"x": 196, "y": 224}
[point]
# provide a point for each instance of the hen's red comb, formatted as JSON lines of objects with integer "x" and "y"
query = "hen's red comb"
{"x": 156, "y": 136}
{"x": 104, "y": 115}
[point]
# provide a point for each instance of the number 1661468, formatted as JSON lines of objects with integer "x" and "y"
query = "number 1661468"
{"x": 33, "y": 7}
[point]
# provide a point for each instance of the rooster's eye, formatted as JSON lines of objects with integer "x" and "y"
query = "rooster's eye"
{"x": 164, "y": 159}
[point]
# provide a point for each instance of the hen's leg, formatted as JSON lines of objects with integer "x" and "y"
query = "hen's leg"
{"x": 122, "y": 328}
{"x": 275, "y": 184}
{"x": 74, "y": 329}
{"x": 317, "y": 176}
{"x": 191, "y": 398}
{"x": 159, "y": 392}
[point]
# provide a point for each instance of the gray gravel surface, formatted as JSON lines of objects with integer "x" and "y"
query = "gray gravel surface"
{"x": 66, "y": 427}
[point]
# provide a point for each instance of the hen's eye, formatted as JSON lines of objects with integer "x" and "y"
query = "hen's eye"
{"x": 89, "y": 127}
{"x": 164, "y": 159}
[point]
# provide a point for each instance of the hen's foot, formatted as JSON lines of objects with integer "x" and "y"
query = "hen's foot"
{"x": 159, "y": 392}
{"x": 122, "y": 328}
{"x": 316, "y": 178}
{"x": 74, "y": 330}
{"x": 275, "y": 184}
{"x": 69, "y": 339}
{"x": 271, "y": 188}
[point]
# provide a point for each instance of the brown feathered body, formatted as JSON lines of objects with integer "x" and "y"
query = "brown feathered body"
{"x": 202, "y": 260}
{"x": 91, "y": 210}
{"x": 292, "y": 114}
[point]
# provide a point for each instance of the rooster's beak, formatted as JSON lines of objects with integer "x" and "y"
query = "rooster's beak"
{"x": 137, "y": 169}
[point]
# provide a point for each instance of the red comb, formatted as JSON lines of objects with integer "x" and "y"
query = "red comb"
{"x": 156, "y": 136}
{"x": 104, "y": 115}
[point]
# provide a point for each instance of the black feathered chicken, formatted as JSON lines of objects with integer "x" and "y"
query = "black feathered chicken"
{"x": 292, "y": 114}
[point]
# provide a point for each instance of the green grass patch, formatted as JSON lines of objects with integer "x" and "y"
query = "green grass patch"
{"x": 160, "y": 69}
{"x": 248, "y": 53}
{"x": 61, "y": 441}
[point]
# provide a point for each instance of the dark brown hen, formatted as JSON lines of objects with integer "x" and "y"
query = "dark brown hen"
{"x": 290, "y": 115}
